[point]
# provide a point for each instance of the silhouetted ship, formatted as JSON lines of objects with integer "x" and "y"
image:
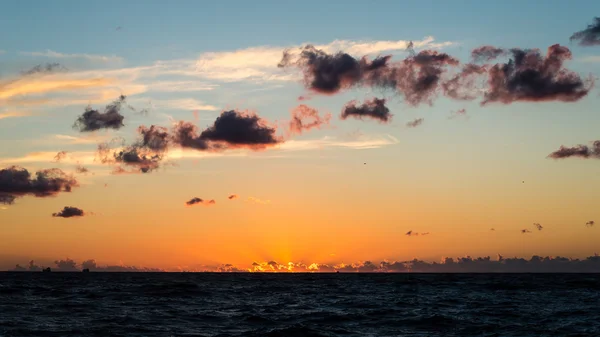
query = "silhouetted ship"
{"x": 86, "y": 270}
{"x": 46, "y": 270}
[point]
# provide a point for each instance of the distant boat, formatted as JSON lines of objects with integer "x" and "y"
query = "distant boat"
{"x": 46, "y": 270}
{"x": 86, "y": 270}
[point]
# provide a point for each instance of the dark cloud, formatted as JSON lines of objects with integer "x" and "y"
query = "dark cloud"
{"x": 155, "y": 138}
{"x": 66, "y": 265}
{"x": 93, "y": 120}
{"x": 492, "y": 229}
{"x": 525, "y": 231}
{"x": 415, "y": 123}
{"x": 529, "y": 76}
{"x": 305, "y": 118}
{"x": 7, "y": 199}
{"x": 144, "y": 155}
{"x": 16, "y": 181}
{"x": 538, "y": 226}
{"x": 81, "y": 169}
{"x": 241, "y": 129}
{"x": 31, "y": 266}
{"x": 590, "y": 223}
{"x": 374, "y": 109}
{"x": 139, "y": 158}
{"x": 229, "y": 268}
{"x": 486, "y": 53}
{"x": 581, "y": 151}
{"x": 466, "y": 264}
{"x": 589, "y": 36}
{"x": 232, "y": 129}
{"x": 411, "y": 233}
{"x": 232, "y": 196}
{"x": 91, "y": 265}
{"x": 418, "y": 77}
{"x": 186, "y": 135}
{"x": 69, "y": 212}
{"x": 46, "y": 68}
{"x": 196, "y": 201}
{"x": 330, "y": 73}
{"x": 70, "y": 265}
{"x": 60, "y": 156}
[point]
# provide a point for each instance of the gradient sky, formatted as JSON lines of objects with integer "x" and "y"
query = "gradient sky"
{"x": 452, "y": 177}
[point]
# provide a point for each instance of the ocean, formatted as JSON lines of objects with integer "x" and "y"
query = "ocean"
{"x": 212, "y": 304}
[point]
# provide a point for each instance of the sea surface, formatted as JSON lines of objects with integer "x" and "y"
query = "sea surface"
{"x": 206, "y": 304}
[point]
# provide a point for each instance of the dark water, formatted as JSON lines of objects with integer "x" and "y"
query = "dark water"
{"x": 143, "y": 304}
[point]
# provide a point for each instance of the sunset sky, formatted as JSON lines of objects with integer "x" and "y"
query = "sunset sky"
{"x": 346, "y": 191}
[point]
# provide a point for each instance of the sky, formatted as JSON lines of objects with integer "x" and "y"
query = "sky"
{"x": 356, "y": 185}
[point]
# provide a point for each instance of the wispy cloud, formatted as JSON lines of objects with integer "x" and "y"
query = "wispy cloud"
{"x": 90, "y": 57}
{"x": 12, "y": 114}
{"x": 258, "y": 201}
{"x": 92, "y": 139}
{"x": 181, "y": 86}
{"x": 48, "y": 157}
{"x": 261, "y": 62}
{"x": 47, "y": 84}
{"x": 189, "y": 104}
{"x": 361, "y": 142}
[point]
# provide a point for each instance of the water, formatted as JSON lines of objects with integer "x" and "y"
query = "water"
{"x": 203, "y": 304}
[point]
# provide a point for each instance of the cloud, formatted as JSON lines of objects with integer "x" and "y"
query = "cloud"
{"x": 90, "y": 57}
{"x": 17, "y": 182}
{"x": 36, "y": 85}
{"x": 589, "y": 36}
{"x": 415, "y": 123}
{"x": 232, "y": 129}
{"x": 581, "y": 151}
{"x": 418, "y": 77}
{"x": 374, "y": 109}
{"x": 529, "y": 76}
{"x": 330, "y": 73}
{"x": 144, "y": 155}
{"x": 465, "y": 264}
{"x": 46, "y": 68}
{"x": 60, "y": 156}
{"x": 184, "y": 104}
{"x": 198, "y": 201}
{"x": 69, "y": 212}
{"x": 258, "y": 201}
{"x": 180, "y": 86}
{"x": 525, "y": 231}
{"x": 81, "y": 169}
{"x": 93, "y": 120}
{"x": 458, "y": 113}
{"x": 590, "y": 223}
{"x": 411, "y": 233}
{"x": 538, "y": 226}
{"x": 486, "y": 53}
{"x": 89, "y": 139}
{"x": 257, "y": 63}
{"x": 12, "y": 114}
{"x": 360, "y": 142}
{"x": 462, "y": 86}
{"x": 305, "y": 118}
{"x": 232, "y": 196}
{"x": 44, "y": 157}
